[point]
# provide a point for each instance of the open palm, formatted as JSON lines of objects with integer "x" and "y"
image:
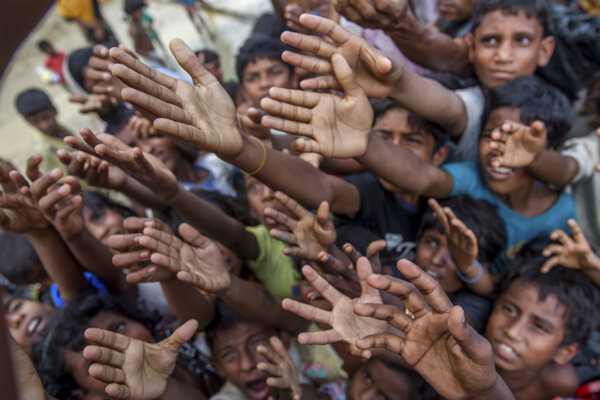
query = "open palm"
{"x": 202, "y": 114}
{"x": 18, "y": 211}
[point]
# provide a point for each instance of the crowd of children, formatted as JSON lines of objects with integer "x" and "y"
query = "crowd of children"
{"x": 384, "y": 205}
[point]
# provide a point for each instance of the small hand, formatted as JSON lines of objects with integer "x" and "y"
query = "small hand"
{"x": 93, "y": 170}
{"x": 281, "y": 368}
{"x": 99, "y": 71}
{"x": 345, "y": 324}
{"x": 573, "y": 253}
{"x": 375, "y": 73}
{"x": 196, "y": 260}
{"x": 437, "y": 342}
{"x": 461, "y": 240}
{"x": 333, "y": 126}
{"x": 376, "y": 14}
{"x": 202, "y": 114}
{"x": 517, "y": 144}
{"x": 134, "y": 369}
{"x": 309, "y": 234}
{"x": 99, "y": 103}
{"x": 135, "y": 258}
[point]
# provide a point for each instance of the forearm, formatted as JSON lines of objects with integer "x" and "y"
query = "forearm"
{"x": 341, "y": 166}
{"x": 561, "y": 173}
{"x": 187, "y": 302}
{"x": 212, "y": 222}
{"x": 297, "y": 179}
{"x": 240, "y": 291}
{"x": 58, "y": 262}
{"x": 484, "y": 286}
{"x": 431, "y": 49}
{"x": 404, "y": 169}
{"x": 142, "y": 195}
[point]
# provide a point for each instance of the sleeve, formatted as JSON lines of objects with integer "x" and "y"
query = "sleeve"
{"x": 584, "y": 150}
{"x": 472, "y": 98}
{"x": 370, "y": 192}
{"x": 465, "y": 177}
{"x": 272, "y": 268}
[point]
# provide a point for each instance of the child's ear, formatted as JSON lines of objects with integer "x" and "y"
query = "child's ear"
{"x": 470, "y": 41}
{"x": 439, "y": 156}
{"x": 566, "y": 353}
{"x": 546, "y": 50}
{"x": 285, "y": 339}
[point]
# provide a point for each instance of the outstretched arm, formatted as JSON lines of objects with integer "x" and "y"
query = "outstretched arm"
{"x": 437, "y": 340}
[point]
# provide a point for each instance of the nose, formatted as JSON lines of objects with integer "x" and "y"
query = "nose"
{"x": 442, "y": 257}
{"x": 504, "y": 53}
{"x": 14, "y": 320}
{"x": 396, "y": 139}
{"x": 247, "y": 361}
{"x": 268, "y": 193}
{"x": 265, "y": 82}
{"x": 514, "y": 330}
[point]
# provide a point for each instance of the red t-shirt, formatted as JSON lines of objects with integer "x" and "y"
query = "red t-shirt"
{"x": 55, "y": 63}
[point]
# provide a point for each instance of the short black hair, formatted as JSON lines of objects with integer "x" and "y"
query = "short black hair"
{"x": 225, "y": 318}
{"x": 440, "y": 137}
{"x": 18, "y": 259}
{"x": 538, "y": 9}
{"x": 480, "y": 216}
{"x": 260, "y": 46}
{"x": 42, "y": 43}
{"x": 77, "y": 61}
{"x": 66, "y": 332}
{"x": 573, "y": 289}
{"x": 269, "y": 24}
{"x": 31, "y": 101}
{"x": 537, "y": 100}
{"x": 131, "y": 5}
{"x": 96, "y": 200}
{"x": 209, "y": 55}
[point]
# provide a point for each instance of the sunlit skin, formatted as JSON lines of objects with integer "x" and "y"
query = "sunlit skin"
{"x": 26, "y": 319}
{"x": 506, "y": 46}
{"x": 263, "y": 74}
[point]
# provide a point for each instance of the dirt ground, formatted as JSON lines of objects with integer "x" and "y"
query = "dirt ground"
{"x": 17, "y": 139}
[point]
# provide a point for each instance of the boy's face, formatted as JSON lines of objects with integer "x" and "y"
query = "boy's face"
{"x": 102, "y": 222}
{"x": 26, "y": 320}
{"x": 161, "y": 148}
{"x": 527, "y": 333}
{"x": 261, "y": 75}
{"x": 455, "y": 10}
{"x": 45, "y": 122}
{"x": 501, "y": 180}
{"x": 214, "y": 67}
{"x": 236, "y": 357}
{"x": 260, "y": 196}
{"x": 374, "y": 381}
{"x": 433, "y": 256}
{"x": 506, "y": 46}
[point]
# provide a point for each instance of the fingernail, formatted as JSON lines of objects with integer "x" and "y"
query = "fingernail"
{"x": 136, "y": 239}
{"x": 144, "y": 255}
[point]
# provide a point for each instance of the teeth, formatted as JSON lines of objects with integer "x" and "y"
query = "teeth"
{"x": 502, "y": 170}
{"x": 507, "y": 349}
{"x": 432, "y": 274}
{"x": 33, "y": 325}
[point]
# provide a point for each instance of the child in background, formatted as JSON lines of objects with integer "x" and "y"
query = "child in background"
{"x": 211, "y": 62}
{"x": 53, "y": 63}
{"x": 141, "y": 31}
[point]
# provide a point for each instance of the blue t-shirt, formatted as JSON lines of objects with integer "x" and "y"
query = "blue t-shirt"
{"x": 520, "y": 229}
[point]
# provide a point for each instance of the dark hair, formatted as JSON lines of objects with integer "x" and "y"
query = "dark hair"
{"x": 225, "y": 318}
{"x": 77, "y": 61}
{"x": 66, "y": 332}
{"x": 260, "y": 46}
{"x": 95, "y": 201}
{"x": 269, "y": 24}
{"x": 18, "y": 259}
{"x": 537, "y": 100}
{"x": 479, "y": 216}
{"x": 209, "y": 55}
{"x": 32, "y": 101}
{"x": 231, "y": 88}
{"x": 573, "y": 289}
{"x": 43, "y": 43}
{"x": 538, "y": 9}
{"x": 440, "y": 137}
{"x": 132, "y": 5}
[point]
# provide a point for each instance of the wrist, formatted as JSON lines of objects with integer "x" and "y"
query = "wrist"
{"x": 252, "y": 156}
{"x": 471, "y": 274}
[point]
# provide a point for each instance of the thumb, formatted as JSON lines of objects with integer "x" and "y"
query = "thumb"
{"x": 538, "y": 129}
{"x": 346, "y": 76}
{"x": 471, "y": 343}
{"x": 180, "y": 336}
{"x": 323, "y": 213}
{"x": 189, "y": 61}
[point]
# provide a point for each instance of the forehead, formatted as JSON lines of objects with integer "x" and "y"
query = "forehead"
{"x": 501, "y": 114}
{"x": 501, "y": 22}
{"x": 239, "y": 334}
{"x": 395, "y": 118}
{"x": 261, "y": 64}
{"x": 526, "y": 296}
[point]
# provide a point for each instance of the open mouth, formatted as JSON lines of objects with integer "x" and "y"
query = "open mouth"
{"x": 506, "y": 352}
{"x": 499, "y": 173}
{"x": 433, "y": 274}
{"x": 33, "y": 326}
{"x": 258, "y": 389}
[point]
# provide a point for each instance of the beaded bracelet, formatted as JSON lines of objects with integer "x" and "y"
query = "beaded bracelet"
{"x": 467, "y": 280}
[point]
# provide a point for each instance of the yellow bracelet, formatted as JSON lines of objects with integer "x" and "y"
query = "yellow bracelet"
{"x": 264, "y": 158}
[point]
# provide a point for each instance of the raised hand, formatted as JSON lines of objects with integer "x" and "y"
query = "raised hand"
{"x": 309, "y": 234}
{"x": 333, "y": 126}
{"x": 345, "y": 325}
{"x": 517, "y": 144}
{"x": 202, "y": 114}
{"x": 93, "y": 170}
{"x": 437, "y": 342}
{"x": 134, "y": 369}
{"x": 130, "y": 255}
{"x": 61, "y": 205}
{"x": 196, "y": 260}
{"x": 573, "y": 253}
{"x": 462, "y": 242}
{"x": 377, "y": 14}
{"x": 99, "y": 103}
{"x": 143, "y": 167}
{"x": 281, "y": 368}
{"x": 18, "y": 210}
{"x": 375, "y": 73}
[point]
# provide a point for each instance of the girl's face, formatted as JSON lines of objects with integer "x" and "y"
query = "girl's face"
{"x": 260, "y": 196}
{"x": 102, "y": 222}
{"x": 26, "y": 319}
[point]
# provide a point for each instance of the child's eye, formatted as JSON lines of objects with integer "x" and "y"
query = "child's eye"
{"x": 254, "y": 187}
{"x": 275, "y": 72}
{"x": 368, "y": 377}
{"x": 258, "y": 342}
{"x": 491, "y": 41}
{"x": 541, "y": 327}
{"x": 227, "y": 356}
{"x": 524, "y": 40}
{"x": 508, "y": 309}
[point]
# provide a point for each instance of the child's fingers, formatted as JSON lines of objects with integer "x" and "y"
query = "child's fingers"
{"x": 326, "y": 27}
{"x": 300, "y": 98}
{"x": 332, "y": 264}
{"x": 310, "y": 44}
{"x": 326, "y": 82}
{"x": 19, "y": 181}
{"x": 281, "y": 218}
{"x": 122, "y": 57}
{"x": 279, "y": 348}
{"x": 303, "y": 145}
{"x": 285, "y": 237}
{"x": 8, "y": 185}
{"x": 318, "y": 66}
{"x": 346, "y": 76}
{"x": 193, "y": 237}
{"x": 108, "y": 339}
{"x": 439, "y": 213}
{"x": 103, "y": 355}
{"x": 145, "y": 85}
{"x": 123, "y": 242}
{"x": 270, "y": 369}
{"x": 384, "y": 312}
{"x": 577, "y": 232}
{"x": 43, "y": 187}
{"x": 554, "y": 249}
{"x": 65, "y": 211}
{"x": 285, "y": 125}
{"x": 291, "y": 204}
{"x": 538, "y": 129}
{"x": 270, "y": 354}
{"x": 128, "y": 259}
{"x": 387, "y": 341}
{"x": 182, "y": 130}
{"x": 405, "y": 291}
{"x": 33, "y": 167}
{"x": 320, "y": 337}
{"x": 286, "y": 111}
{"x": 470, "y": 343}
{"x": 172, "y": 264}
{"x": 307, "y": 311}
{"x": 562, "y": 237}
{"x": 150, "y": 273}
{"x": 157, "y": 246}
{"x": 280, "y": 383}
{"x": 191, "y": 64}
{"x": 155, "y": 106}
{"x": 549, "y": 264}
{"x": 352, "y": 253}
{"x": 165, "y": 238}
{"x": 106, "y": 374}
{"x": 428, "y": 286}
{"x": 117, "y": 391}
{"x": 323, "y": 214}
